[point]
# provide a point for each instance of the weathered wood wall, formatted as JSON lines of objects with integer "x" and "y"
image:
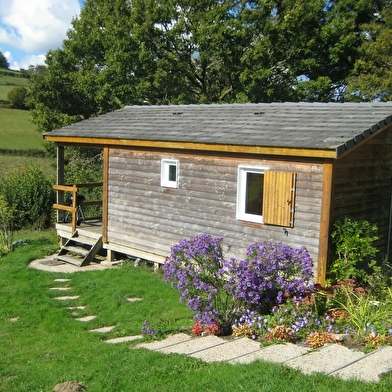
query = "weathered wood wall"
{"x": 362, "y": 185}
{"x": 143, "y": 215}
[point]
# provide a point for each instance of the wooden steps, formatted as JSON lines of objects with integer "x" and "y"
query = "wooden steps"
{"x": 80, "y": 249}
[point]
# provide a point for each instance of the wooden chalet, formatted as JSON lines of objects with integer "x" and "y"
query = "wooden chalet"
{"x": 246, "y": 172}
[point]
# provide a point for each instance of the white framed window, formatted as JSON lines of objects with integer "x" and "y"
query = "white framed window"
{"x": 266, "y": 196}
{"x": 250, "y": 189}
{"x": 169, "y": 173}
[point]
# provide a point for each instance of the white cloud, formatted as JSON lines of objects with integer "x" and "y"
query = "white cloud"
{"x": 8, "y": 56}
{"x": 36, "y": 25}
{"x": 26, "y": 61}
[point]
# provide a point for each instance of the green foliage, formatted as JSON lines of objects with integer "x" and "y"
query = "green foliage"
{"x": 362, "y": 313}
{"x": 354, "y": 248}
{"x": 6, "y": 226}
{"x": 17, "y": 97}
{"x": 85, "y": 166}
{"x": 3, "y": 61}
{"x": 30, "y": 195}
{"x": 371, "y": 76}
{"x": 168, "y": 52}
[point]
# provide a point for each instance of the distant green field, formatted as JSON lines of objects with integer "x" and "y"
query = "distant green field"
{"x": 11, "y": 163}
{"x": 8, "y": 82}
{"x": 17, "y": 132}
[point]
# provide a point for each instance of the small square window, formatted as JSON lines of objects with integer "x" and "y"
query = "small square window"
{"x": 169, "y": 173}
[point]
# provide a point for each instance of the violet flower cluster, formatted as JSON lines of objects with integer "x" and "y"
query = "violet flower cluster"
{"x": 220, "y": 290}
{"x": 196, "y": 268}
{"x": 270, "y": 272}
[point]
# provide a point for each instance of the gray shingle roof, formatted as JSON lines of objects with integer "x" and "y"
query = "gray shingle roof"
{"x": 324, "y": 126}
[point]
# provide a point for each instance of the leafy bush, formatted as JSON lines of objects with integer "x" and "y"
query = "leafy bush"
{"x": 6, "y": 226}
{"x": 354, "y": 248}
{"x": 221, "y": 290}
{"x": 30, "y": 195}
{"x": 17, "y": 97}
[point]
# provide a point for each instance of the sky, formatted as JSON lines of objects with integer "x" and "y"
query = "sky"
{"x": 29, "y": 28}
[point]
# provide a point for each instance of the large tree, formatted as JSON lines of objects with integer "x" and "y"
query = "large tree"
{"x": 371, "y": 76}
{"x": 3, "y": 61}
{"x": 193, "y": 51}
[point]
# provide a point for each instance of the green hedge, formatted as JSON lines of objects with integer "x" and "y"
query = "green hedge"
{"x": 24, "y": 153}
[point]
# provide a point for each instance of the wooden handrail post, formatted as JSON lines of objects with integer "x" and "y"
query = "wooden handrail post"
{"x": 74, "y": 205}
{"x": 73, "y": 208}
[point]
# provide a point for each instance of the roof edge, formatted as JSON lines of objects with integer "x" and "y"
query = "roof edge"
{"x": 232, "y": 148}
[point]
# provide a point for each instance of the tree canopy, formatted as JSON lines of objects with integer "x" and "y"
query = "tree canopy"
{"x": 210, "y": 51}
{"x": 3, "y": 61}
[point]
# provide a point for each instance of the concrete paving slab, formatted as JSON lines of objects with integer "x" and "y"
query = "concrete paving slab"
{"x": 171, "y": 340}
{"x": 124, "y": 339}
{"x": 277, "y": 353}
{"x": 330, "y": 359}
{"x": 134, "y": 299}
{"x": 50, "y": 264}
{"x": 228, "y": 350}
{"x": 193, "y": 345}
{"x": 86, "y": 318}
{"x": 103, "y": 329}
{"x": 67, "y": 297}
{"x": 59, "y": 288}
{"x": 61, "y": 280}
{"x": 369, "y": 368}
{"x": 325, "y": 359}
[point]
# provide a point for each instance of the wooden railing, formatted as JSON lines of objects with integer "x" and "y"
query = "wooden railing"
{"x": 73, "y": 190}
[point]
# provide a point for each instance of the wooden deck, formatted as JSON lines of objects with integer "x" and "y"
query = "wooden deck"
{"x": 90, "y": 226}
{"x": 93, "y": 228}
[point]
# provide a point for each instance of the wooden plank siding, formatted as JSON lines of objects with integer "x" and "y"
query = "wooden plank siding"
{"x": 362, "y": 185}
{"x": 144, "y": 215}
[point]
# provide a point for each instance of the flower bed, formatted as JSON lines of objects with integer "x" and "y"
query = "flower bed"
{"x": 268, "y": 296}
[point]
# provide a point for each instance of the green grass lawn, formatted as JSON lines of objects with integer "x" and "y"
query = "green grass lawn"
{"x": 46, "y": 345}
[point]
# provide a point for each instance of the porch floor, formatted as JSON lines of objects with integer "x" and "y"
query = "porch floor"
{"x": 90, "y": 226}
{"x": 93, "y": 228}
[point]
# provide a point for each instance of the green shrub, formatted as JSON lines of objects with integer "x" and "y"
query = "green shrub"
{"x": 6, "y": 226}
{"x": 17, "y": 97}
{"x": 354, "y": 248}
{"x": 30, "y": 194}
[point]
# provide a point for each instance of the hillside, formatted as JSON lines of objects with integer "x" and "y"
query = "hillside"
{"x": 21, "y": 144}
{"x": 17, "y": 132}
{"x": 8, "y": 80}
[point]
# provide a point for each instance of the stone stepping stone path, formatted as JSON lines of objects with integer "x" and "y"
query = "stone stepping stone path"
{"x": 134, "y": 299}
{"x": 124, "y": 339}
{"x": 86, "y": 319}
{"x": 331, "y": 359}
{"x": 103, "y": 329}
{"x": 60, "y": 288}
{"x": 67, "y": 297}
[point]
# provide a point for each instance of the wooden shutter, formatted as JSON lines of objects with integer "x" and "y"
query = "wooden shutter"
{"x": 279, "y": 198}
